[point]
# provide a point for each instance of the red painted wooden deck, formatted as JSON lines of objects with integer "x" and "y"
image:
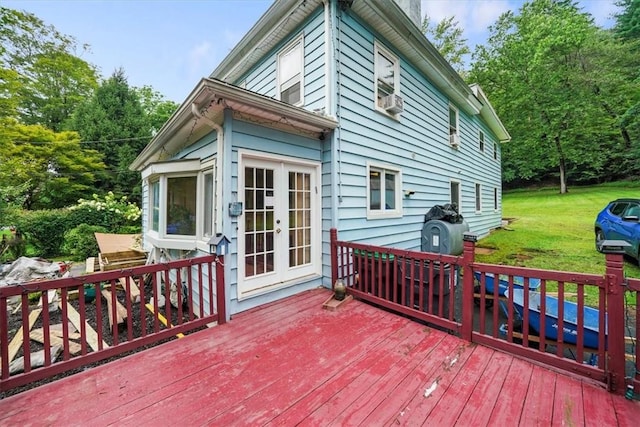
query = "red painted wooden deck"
{"x": 293, "y": 363}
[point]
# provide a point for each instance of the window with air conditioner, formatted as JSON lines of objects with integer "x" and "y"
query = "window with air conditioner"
{"x": 387, "y": 82}
{"x": 454, "y": 134}
{"x": 290, "y": 73}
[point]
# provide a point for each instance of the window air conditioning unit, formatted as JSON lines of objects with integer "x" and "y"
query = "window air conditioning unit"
{"x": 454, "y": 140}
{"x": 392, "y": 104}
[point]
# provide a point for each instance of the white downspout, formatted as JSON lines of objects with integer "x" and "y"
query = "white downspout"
{"x": 220, "y": 140}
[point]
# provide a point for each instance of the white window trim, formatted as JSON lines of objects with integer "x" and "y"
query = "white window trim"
{"x": 482, "y": 141}
{"x": 457, "y": 131}
{"x": 176, "y": 169}
{"x": 477, "y": 192}
{"x": 378, "y": 47}
{"x": 291, "y": 45}
{"x": 384, "y": 213}
{"x": 459, "y": 201}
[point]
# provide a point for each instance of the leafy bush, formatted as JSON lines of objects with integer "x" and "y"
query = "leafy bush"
{"x": 110, "y": 212}
{"x": 44, "y": 229}
{"x": 80, "y": 241}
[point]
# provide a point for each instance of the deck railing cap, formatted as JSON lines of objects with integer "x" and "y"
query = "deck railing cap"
{"x": 613, "y": 246}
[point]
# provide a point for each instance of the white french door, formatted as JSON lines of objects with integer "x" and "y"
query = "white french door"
{"x": 279, "y": 231}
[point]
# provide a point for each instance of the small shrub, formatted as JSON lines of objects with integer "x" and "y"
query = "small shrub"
{"x": 44, "y": 230}
{"x": 80, "y": 242}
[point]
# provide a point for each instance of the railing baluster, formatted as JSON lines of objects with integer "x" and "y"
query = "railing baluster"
{"x": 200, "y": 291}
{"x": 127, "y": 287}
{"x": 114, "y": 310}
{"x": 83, "y": 317}
{"x": 4, "y": 339}
{"x": 179, "y": 294}
{"x": 156, "y": 295}
{"x": 580, "y": 324}
{"x": 167, "y": 297}
{"x": 560, "y": 330}
{"x": 45, "y": 328}
{"x": 99, "y": 329}
{"x": 64, "y": 298}
{"x": 26, "y": 351}
{"x": 143, "y": 308}
{"x": 543, "y": 312}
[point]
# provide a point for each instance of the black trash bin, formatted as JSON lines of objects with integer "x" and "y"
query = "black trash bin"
{"x": 375, "y": 270}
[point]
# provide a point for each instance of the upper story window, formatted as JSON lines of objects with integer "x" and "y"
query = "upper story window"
{"x": 383, "y": 192}
{"x": 387, "y": 81}
{"x": 290, "y": 73}
{"x": 495, "y": 151}
{"x": 454, "y": 133}
{"x": 481, "y": 141}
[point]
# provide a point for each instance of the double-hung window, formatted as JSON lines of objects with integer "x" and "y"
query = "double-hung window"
{"x": 454, "y": 133}
{"x": 478, "y": 198}
{"x": 387, "y": 78}
{"x": 481, "y": 141}
{"x": 383, "y": 191}
{"x": 290, "y": 73}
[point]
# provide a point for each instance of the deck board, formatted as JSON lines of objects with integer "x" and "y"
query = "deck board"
{"x": 293, "y": 363}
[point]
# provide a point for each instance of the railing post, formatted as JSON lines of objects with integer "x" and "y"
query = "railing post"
{"x": 220, "y": 290}
{"x": 334, "y": 256}
{"x": 614, "y": 255}
{"x": 468, "y": 257}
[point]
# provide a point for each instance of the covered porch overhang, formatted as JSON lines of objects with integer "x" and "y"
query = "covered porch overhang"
{"x": 203, "y": 110}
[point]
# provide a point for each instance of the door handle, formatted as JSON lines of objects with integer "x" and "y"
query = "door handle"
{"x": 278, "y": 230}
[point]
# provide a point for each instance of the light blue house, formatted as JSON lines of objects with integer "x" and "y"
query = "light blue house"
{"x": 335, "y": 113}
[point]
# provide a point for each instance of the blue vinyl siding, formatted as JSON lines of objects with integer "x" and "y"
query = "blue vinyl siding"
{"x": 262, "y": 79}
{"x": 417, "y": 143}
{"x": 256, "y": 138}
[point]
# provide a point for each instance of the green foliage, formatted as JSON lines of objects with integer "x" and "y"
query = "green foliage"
{"x": 43, "y": 169}
{"x": 41, "y": 78}
{"x": 113, "y": 213}
{"x": 115, "y": 116}
{"x": 628, "y": 22}
{"x": 44, "y": 230}
{"x": 447, "y": 37}
{"x": 80, "y": 242}
{"x": 560, "y": 85}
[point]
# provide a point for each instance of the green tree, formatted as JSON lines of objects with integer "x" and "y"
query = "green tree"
{"x": 628, "y": 21}
{"x": 42, "y": 169}
{"x": 447, "y": 37}
{"x": 41, "y": 78}
{"x": 156, "y": 108}
{"x": 539, "y": 69}
{"x": 114, "y": 119}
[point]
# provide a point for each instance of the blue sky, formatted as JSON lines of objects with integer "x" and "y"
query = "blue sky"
{"x": 171, "y": 44}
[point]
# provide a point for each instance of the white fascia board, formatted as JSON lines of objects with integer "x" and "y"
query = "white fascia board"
{"x": 489, "y": 115}
{"x": 209, "y": 90}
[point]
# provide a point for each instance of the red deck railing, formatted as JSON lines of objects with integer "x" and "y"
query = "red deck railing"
{"x": 487, "y": 304}
{"x": 81, "y": 320}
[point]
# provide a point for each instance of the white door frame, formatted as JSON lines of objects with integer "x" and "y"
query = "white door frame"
{"x": 281, "y": 275}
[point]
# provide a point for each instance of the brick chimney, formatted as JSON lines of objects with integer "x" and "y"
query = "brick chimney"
{"x": 412, "y": 9}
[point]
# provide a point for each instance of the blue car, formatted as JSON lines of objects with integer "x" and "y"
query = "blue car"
{"x": 620, "y": 220}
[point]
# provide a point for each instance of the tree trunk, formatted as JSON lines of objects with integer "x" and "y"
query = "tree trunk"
{"x": 562, "y": 164}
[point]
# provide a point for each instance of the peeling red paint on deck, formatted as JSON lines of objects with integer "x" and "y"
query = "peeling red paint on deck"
{"x": 292, "y": 362}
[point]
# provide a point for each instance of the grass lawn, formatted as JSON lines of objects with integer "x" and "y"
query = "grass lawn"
{"x": 554, "y": 231}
